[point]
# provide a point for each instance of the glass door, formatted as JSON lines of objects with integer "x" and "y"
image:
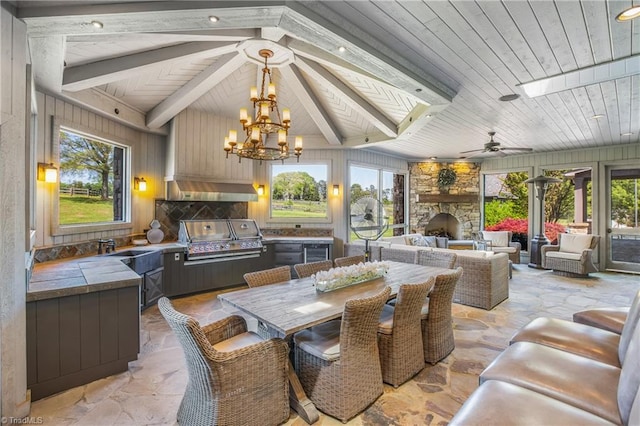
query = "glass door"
{"x": 623, "y": 219}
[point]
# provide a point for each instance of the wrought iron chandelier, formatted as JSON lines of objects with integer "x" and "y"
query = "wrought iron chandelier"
{"x": 260, "y": 127}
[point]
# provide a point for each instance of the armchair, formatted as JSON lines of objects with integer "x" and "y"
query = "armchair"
{"x": 501, "y": 243}
{"x": 572, "y": 256}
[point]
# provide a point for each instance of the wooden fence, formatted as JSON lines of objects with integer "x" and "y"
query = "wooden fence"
{"x": 80, "y": 191}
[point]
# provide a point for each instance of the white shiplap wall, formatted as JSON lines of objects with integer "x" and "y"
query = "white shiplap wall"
{"x": 147, "y": 160}
{"x": 340, "y": 159}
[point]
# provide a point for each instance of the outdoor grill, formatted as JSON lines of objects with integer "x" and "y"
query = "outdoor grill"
{"x": 220, "y": 239}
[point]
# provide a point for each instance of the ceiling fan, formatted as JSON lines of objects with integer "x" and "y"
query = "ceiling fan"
{"x": 493, "y": 146}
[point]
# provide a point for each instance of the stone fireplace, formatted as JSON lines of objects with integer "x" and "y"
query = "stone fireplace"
{"x": 453, "y": 211}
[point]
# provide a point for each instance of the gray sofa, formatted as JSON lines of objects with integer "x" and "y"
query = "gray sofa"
{"x": 485, "y": 277}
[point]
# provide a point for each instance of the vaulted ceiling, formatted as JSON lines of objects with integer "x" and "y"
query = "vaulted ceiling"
{"x": 416, "y": 79}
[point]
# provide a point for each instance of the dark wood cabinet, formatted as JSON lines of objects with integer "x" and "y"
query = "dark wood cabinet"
{"x": 74, "y": 340}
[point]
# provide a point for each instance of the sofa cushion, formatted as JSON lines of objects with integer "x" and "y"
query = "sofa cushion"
{"x": 610, "y": 319}
{"x": 409, "y": 238}
{"x": 564, "y": 255}
{"x": 504, "y": 249}
{"x": 574, "y": 243}
{"x": 497, "y": 238}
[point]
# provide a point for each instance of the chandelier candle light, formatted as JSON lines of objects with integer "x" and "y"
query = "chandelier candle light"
{"x": 260, "y": 126}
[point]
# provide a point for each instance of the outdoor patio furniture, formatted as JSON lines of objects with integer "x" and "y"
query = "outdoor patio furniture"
{"x": 235, "y": 377}
{"x": 441, "y": 259}
{"x": 349, "y": 260}
{"x": 610, "y": 319}
{"x": 268, "y": 276}
{"x": 500, "y": 242}
{"x": 338, "y": 362}
{"x": 400, "y": 336}
{"x": 572, "y": 256}
{"x": 436, "y": 322}
{"x": 307, "y": 269}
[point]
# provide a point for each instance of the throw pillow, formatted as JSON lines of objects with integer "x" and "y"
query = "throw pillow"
{"x": 418, "y": 241}
{"x": 497, "y": 238}
{"x": 430, "y": 241}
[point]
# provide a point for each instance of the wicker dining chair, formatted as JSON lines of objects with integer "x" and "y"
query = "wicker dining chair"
{"x": 307, "y": 269}
{"x": 400, "y": 334}
{"x": 235, "y": 377}
{"x": 338, "y": 362}
{"x": 268, "y": 276}
{"x": 440, "y": 259}
{"x": 349, "y": 260}
{"x": 437, "y": 324}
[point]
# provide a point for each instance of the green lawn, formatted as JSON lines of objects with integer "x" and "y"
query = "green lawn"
{"x": 78, "y": 209}
{"x": 298, "y": 209}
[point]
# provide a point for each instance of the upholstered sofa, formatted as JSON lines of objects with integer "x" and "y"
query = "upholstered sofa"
{"x": 501, "y": 243}
{"x": 572, "y": 256}
{"x": 485, "y": 277}
{"x": 558, "y": 372}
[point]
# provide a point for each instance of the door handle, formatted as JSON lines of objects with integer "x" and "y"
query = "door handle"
{"x": 608, "y": 230}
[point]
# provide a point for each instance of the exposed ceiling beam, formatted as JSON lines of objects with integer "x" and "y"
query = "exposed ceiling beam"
{"x": 311, "y": 103}
{"x": 366, "y": 141}
{"x": 109, "y": 70}
{"x": 315, "y": 23}
{"x": 349, "y": 96}
{"x": 613, "y": 70}
{"x": 186, "y": 36}
{"x": 194, "y": 89}
{"x": 272, "y": 33}
{"x": 106, "y": 105}
{"x": 417, "y": 118}
{"x": 47, "y": 57}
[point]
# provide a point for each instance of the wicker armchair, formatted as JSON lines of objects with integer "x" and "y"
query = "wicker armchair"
{"x": 307, "y": 269}
{"x": 399, "y": 255}
{"x": 501, "y": 243}
{"x": 349, "y": 260}
{"x": 268, "y": 276}
{"x": 437, "y": 325}
{"x": 400, "y": 336}
{"x": 235, "y": 378}
{"x": 572, "y": 255}
{"x": 440, "y": 259}
{"x": 338, "y": 362}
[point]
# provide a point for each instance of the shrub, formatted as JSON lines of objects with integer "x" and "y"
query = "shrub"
{"x": 520, "y": 227}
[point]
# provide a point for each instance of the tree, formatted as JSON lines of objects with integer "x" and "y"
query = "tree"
{"x": 79, "y": 154}
{"x": 322, "y": 190}
{"x": 514, "y": 183}
{"x": 290, "y": 186}
{"x": 356, "y": 192}
{"x": 559, "y": 199}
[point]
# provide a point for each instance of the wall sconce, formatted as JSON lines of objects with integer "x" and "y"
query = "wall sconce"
{"x": 47, "y": 172}
{"x": 336, "y": 190}
{"x": 139, "y": 184}
{"x": 260, "y": 190}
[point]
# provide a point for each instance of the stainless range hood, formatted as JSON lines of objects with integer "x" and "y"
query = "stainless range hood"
{"x": 189, "y": 190}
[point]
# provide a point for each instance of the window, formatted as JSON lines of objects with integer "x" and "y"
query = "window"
{"x": 93, "y": 183}
{"x": 384, "y": 185}
{"x": 299, "y": 191}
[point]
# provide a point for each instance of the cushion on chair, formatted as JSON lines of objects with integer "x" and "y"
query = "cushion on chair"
{"x": 610, "y": 319}
{"x": 574, "y": 243}
{"x": 515, "y": 405}
{"x": 503, "y": 249}
{"x": 321, "y": 341}
{"x": 238, "y": 341}
{"x": 385, "y": 324}
{"x": 564, "y": 255}
{"x": 497, "y": 238}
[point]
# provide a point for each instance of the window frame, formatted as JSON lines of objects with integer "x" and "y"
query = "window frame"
{"x": 301, "y": 164}
{"x": 59, "y": 230}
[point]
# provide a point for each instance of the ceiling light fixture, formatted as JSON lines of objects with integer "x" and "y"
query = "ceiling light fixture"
{"x": 597, "y": 116}
{"x": 97, "y": 24}
{"x": 342, "y": 49}
{"x": 629, "y": 14}
{"x": 508, "y": 98}
{"x": 213, "y": 18}
{"x": 260, "y": 126}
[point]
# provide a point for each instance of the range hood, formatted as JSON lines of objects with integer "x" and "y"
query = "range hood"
{"x": 191, "y": 190}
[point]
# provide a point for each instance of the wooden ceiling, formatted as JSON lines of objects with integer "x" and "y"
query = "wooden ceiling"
{"x": 417, "y": 80}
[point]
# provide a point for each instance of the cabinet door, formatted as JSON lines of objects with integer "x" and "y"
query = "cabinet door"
{"x": 152, "y": 290}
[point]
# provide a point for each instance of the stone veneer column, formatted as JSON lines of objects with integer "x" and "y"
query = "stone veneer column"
{"x": 15, "y": 400}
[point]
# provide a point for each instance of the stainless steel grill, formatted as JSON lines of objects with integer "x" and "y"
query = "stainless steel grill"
{"x": 220, "y": 238}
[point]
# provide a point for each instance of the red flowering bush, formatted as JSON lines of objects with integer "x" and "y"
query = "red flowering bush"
{"x": 520, "y": 229}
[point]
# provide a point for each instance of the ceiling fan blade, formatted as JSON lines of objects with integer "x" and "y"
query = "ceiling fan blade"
{"x": 517, "y": 149}
{"x": 473, "y": 150}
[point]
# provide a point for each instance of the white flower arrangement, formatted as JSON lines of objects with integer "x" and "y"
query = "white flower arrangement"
{"x": 348, "y": 275}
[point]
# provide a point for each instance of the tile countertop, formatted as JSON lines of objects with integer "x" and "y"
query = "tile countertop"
{"x": 319, "y": 240}
{"x": 80, "y": 275}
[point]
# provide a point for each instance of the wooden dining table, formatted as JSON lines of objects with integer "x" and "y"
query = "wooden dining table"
{"x": 294, "y": 305}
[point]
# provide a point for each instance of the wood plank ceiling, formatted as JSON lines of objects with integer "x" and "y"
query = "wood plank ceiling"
{"x": 418, "y": 79}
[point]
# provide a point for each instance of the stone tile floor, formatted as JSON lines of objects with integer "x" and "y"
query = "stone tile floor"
{"x": 150, "y": 392}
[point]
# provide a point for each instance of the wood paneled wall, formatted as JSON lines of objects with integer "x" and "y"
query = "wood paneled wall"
{"x": 148, "y": 152}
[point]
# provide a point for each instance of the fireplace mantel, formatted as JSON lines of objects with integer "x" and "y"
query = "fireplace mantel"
{"x": 448, "y": 198}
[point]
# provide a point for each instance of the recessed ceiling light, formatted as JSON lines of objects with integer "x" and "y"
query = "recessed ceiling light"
{"x": 508, "y": 98}
{"x": 626, "y": 134}
{"x": 628, "y": 14}
{"x": 597, "y": 116}
{"x": 213, "y": 18}
{"x": 97, "y": 24}
{"x": 418, "y": 90}
{"x": 342, "y": 49}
